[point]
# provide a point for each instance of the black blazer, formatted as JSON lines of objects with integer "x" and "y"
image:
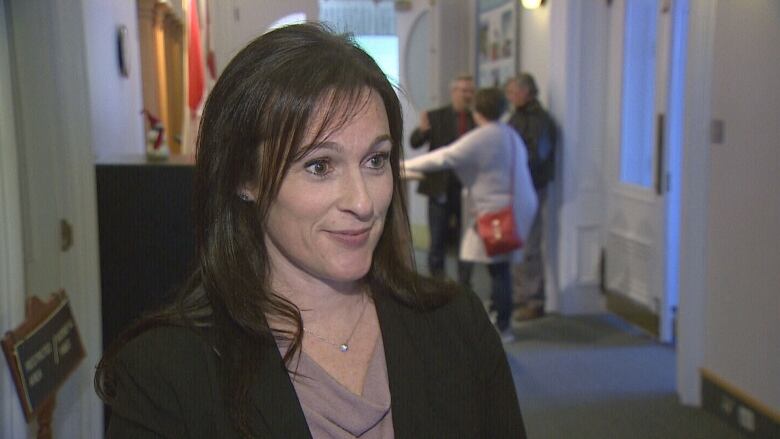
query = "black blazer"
{"x": 444, "y": 130}
{"x": 447, "y": 371}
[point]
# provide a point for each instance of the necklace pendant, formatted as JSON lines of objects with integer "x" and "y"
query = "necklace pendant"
{"x": 344, "y": 347}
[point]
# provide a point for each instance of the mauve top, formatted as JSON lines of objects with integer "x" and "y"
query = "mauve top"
{"x": 332, "y": 411}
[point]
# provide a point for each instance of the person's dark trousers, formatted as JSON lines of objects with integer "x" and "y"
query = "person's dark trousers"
{"x": 501, "y": 293}
{"x": 464, "y": 273}
{"x": 438, "y": 222}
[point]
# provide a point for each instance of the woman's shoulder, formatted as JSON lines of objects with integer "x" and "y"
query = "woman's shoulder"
{"x": 462, "y": 314}
{"x": 478, "y": 137}
{"x": 493, "y": 133}
{"x": 168, "y": 336}
{"x": 177, "y": 360}
{"x": 463, "y": 303}
{"x": 164, "y": 380}
{"x": 165, "y": 347}
{"x": 459, "y": 330}
{"x": 492, "y": 129}
{"x": 456, "y": 318}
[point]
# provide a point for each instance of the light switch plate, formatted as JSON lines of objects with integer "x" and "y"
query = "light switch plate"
{"x": 716, "y": 131}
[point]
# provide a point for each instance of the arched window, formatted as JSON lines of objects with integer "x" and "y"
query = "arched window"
{"x": 372, "y": 23}
{"x": 298, "y": 17}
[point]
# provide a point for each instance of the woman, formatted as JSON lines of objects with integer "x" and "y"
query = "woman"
{"x": 491, "y": 163}
{"x": 305, "y": 317}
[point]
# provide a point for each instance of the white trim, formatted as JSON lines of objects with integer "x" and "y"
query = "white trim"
{"x": 12, "y": 423}
{"x": 695, "y": 169}
{"x": 405, "y": 42}
{"x": 674, "y": 132}
{"x": 80, "y": 265}
{"x": 630, "y": 236}
{"x": 588, "y": 253}
{"x": 635, "y": 192}
{"x": 565, "y": 68}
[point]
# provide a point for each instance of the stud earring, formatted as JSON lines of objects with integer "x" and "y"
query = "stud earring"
{"x": 244, "y": 197}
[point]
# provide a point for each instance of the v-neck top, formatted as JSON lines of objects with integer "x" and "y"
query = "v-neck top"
{"x": 333, "y": 411}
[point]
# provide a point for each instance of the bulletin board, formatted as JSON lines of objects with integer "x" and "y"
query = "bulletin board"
{"x": 496, "y": 41}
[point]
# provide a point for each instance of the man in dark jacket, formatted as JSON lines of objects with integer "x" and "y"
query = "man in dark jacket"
{"x": 537, "y": 129}
{"x": 441, "y": 127}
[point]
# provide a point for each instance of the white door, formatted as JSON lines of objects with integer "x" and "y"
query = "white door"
{"x": 641, "y": 217}
{"x": 40, "y": 132}
{"x": 56, "y": 180}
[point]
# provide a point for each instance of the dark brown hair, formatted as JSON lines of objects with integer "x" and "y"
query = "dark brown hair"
{"x": 253, "y": 124}
{"x": 490, "y": 103}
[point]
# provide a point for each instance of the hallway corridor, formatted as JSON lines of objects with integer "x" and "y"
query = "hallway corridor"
{"x": 595, "y": 377}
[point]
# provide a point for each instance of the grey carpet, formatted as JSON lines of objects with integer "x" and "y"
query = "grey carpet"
{"x": 597, "y": 377}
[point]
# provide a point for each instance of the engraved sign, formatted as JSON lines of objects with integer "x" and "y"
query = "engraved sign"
{"x": 43, "y": 352}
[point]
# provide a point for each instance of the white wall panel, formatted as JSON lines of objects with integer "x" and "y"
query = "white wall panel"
{"x": 743, "y": 304}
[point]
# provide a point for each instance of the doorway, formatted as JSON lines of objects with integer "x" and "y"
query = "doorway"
{"x": 642, "y": 219}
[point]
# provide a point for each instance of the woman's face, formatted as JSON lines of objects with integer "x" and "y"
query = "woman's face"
{"x": 331, "y": 207}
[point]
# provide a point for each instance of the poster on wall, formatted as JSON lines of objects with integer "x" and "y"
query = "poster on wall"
{"x": 497, "y": 41}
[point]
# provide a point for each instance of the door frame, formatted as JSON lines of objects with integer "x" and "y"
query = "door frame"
{"x": 693, "y": 180}
{"x": 664, "y": 278}
{"x": 671, "y": 175}
{"x": 694, "y": 191}
{"x": 12, "y": 422}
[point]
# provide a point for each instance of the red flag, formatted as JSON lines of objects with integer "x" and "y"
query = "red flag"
{"x": 211, "y": 63}
{"x": 195, "y": 60}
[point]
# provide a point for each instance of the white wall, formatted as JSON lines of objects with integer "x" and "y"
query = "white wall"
{"x": 578, "y": 37}
{"x": 691, "y": 331}
{"x": 448, "y": 55}
{"x": 743, "y": 304}
{"x": 115, "y": 101}
{"x": 415, "y": 76}
{"x": 236, "y": 23}
{"x": 534, "y": 54}
{"x": 11, "y": 253}
{"x": 451, "y": 51}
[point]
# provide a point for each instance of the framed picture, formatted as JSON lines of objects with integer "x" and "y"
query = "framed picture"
{"x": 497, "y": 41}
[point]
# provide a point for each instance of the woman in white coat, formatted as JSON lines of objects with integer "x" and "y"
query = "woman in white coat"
{"x": 483, "y": 161}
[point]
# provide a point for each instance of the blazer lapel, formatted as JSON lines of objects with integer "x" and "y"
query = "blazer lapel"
{"x": 406, "y": 372}
{"x": 278, "y": 408}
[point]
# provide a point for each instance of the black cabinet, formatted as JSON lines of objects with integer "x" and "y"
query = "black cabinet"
{"x": 147, "y": 241}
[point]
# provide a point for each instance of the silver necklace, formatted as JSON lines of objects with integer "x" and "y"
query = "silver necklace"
{"x": 343, "y": 347}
